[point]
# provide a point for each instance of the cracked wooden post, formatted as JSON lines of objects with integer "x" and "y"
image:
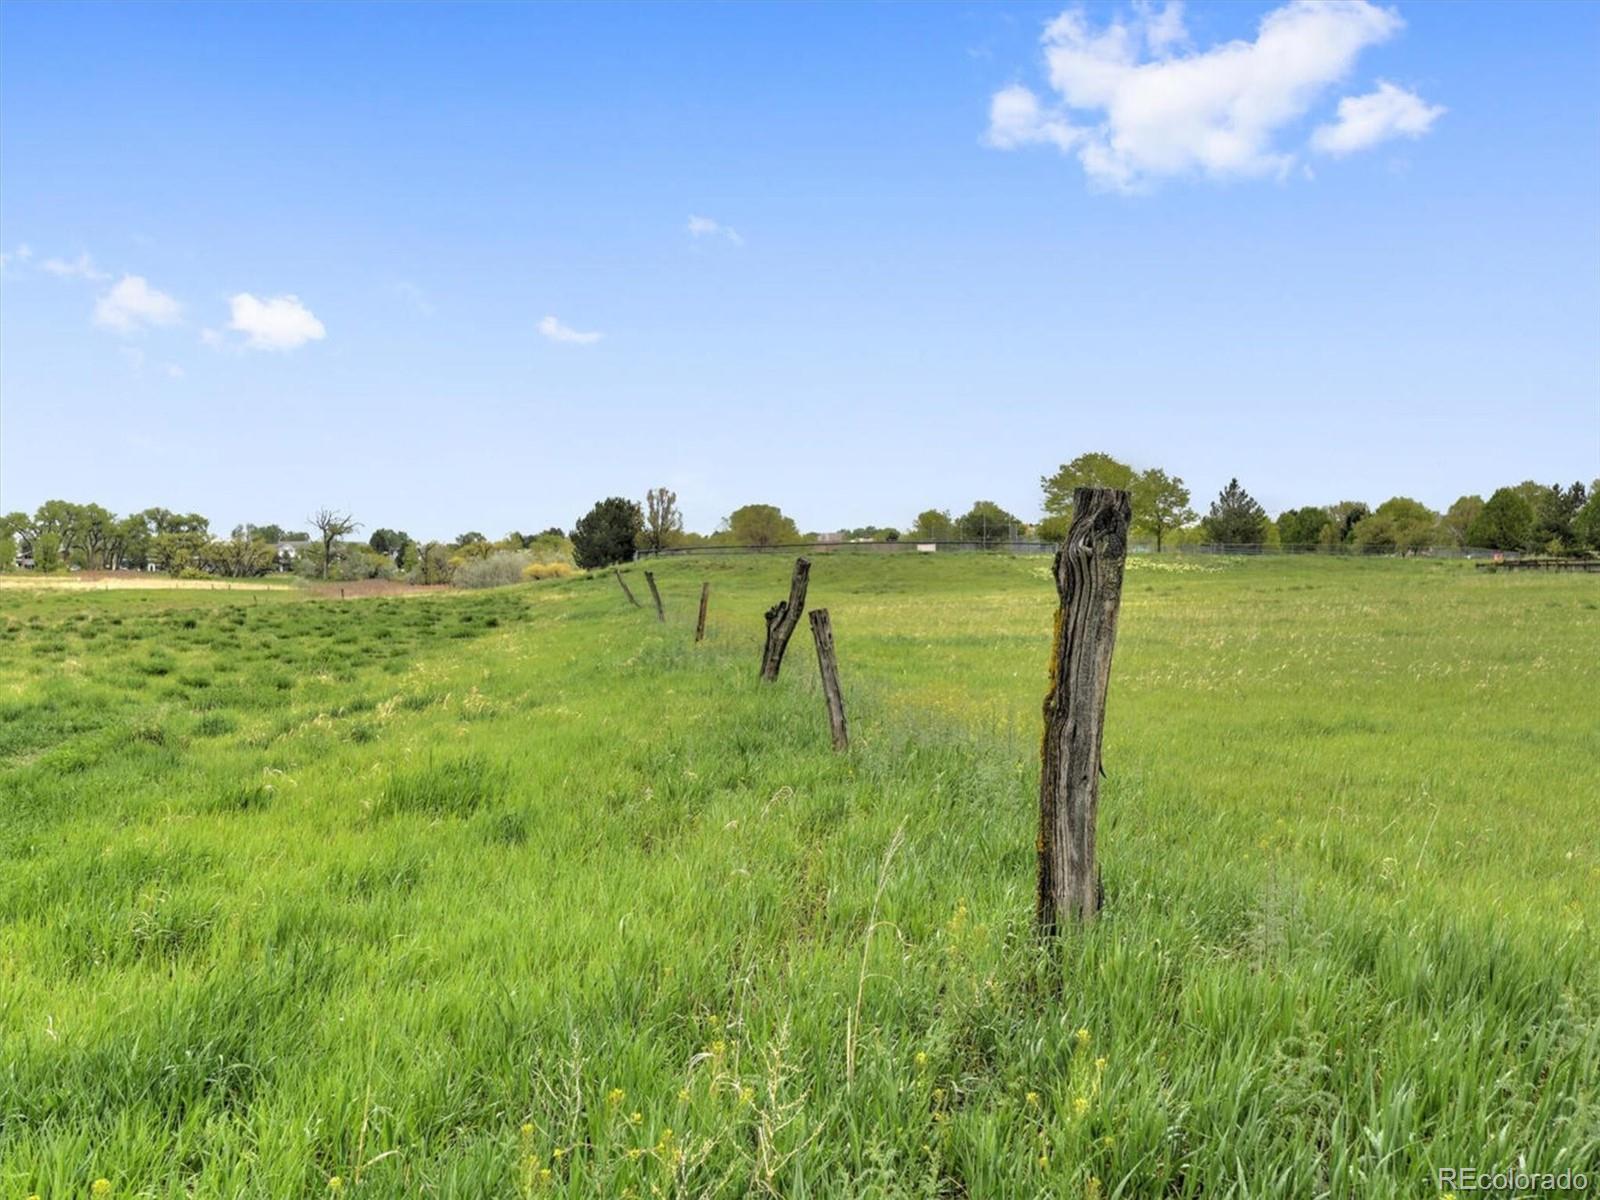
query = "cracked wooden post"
{"x": 1088, "y": 575}
{"x": 822, "y": 632}
{"x": 700, "y": 625}
{"x": 650, "y": 578}
{"x": 625, "y": 591}
{"x": 782, "y": 617}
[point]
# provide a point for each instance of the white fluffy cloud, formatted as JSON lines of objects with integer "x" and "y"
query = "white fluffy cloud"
{"x": 557, "y": 332}
{"x": 1364, "y": 121}
{"x": 81, "y": 267}
{"x": 132, "y": 304}
{"x": 700, "y": 227}
{"x": 1134, "y": 108}
{"x": 276, "y": 323}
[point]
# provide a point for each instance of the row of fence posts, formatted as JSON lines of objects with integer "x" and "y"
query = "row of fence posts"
{"x": 1088, "y": 578}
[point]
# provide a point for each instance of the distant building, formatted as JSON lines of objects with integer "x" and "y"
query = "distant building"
{"x": 286, "y": 553}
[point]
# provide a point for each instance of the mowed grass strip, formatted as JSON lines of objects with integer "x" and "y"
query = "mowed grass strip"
{"x": 522, "y": 893}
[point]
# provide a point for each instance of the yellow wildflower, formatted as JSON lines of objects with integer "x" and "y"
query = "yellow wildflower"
{"x": 1044, "y": 1160}
{"x": 1080, "y": 1105}
{"x": 922, "y": 1058}
{"x": 635, "y": 1118}
{"x": 1100, "y": 1063}
{"x": 101, "y": 1187}
{"x": 683, "y": 1095}
{"x": 557, "y": 1153}
{"x": 1092, "y": 1191}
{"x": 527, "y": 1131}
{"x": 334, "y": 1185}
{"x": 1083, "y": 1037}
{"x": 544, "y": 1175}
{"x": 615, "y": 1097}
{"x": 1033, "y": 1099}
{"x": 747, "y": 1094}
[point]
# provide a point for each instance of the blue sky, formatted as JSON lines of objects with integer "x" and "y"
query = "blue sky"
{"x": 265, "y": 258}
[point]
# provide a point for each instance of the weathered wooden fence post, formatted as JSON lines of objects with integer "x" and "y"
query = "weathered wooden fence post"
{"x": 822, "y": 632}
{"x": 1088, "y": 574}
{"x": 700, "y": 625}
{"x": 782, "y": 617}
{"x": 650, "y": 578}
{"x": 625, "y": 591}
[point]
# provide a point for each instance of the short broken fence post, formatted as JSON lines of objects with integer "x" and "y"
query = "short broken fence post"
{"x": 700, "y": 625}
{"x": 1088, "y": 576}
{"x": 782, "y": 617}
{"x": 828, "y": 664}
{"x": 625, "y": 591}
{"x": 650, "y": 578}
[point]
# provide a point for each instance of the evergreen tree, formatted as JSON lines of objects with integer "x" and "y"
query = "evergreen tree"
{"x": 1235, "y": 518}
{"x": 607, "y": 533}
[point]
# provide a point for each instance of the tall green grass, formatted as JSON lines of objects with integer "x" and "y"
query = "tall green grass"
{"x": 522, "y": 893}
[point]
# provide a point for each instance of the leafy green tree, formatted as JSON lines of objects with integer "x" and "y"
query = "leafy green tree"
{"x": 1558, "y": 507}
{"x": 607, "y": 533}
{"x": 1087, "y": 470}
{"x": 1346, "y": 515}
{"x": 434, "y": 565}
{"x": 1053, "y": 529}
{"x": 47, "y": 551}
{"x": 239, "y": 557}
{"x": 1302, "y": 527}
{"x": 261, "y": 533}
{"x": 131, "y": 542}
{"x": 388, "y": 541}
{"x": 933, "y": 525}
{"x": 663, "y": 522}
{"x": 8, "y": 550}
{"x": 988, "y": 524}
{"x": 1586, "y": 525}
{"x": 179, "y": 550}
{"x": 1160, "y": 503}
{"x": 1458, "y": 518}
{"x": 1399, "y": 525}
{"x": 1506, "y": 522}
{"x": 470, "y": 538}
{"x": 761, "y": 525}
{"x": 1235, "y": 519}
{"x": 410, "y": 555}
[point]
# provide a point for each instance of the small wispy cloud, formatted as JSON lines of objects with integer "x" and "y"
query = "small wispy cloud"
{"x": 1364, "y": 121}
{"x": 21, "y": 254}
{"x": 81, "y": 267}
{"x": 704, "y": 227}
{"x": 132, "y": 305}
{"x": 275, "y": 323}
{"x": 553, "y": 329}
{"x": 414, "y": 296}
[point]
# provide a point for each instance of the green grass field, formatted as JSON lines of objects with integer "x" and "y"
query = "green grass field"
{"x": 522, "y": 893}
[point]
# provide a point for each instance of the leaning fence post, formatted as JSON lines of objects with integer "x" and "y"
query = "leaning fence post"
{"x": 822, "y": 632}
{"x": 1088, "y": 575}
{"x": 700, "y": 625}
{"x": 782, "y": 617}
{"x": 625, "y": 591}
{"x": 650, "y": 578}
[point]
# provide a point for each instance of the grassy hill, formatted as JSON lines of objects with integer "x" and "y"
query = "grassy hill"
{"x": 522, "y": 893}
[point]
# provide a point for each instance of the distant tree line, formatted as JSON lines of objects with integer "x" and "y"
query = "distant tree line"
{"x": 60, "y": 535}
